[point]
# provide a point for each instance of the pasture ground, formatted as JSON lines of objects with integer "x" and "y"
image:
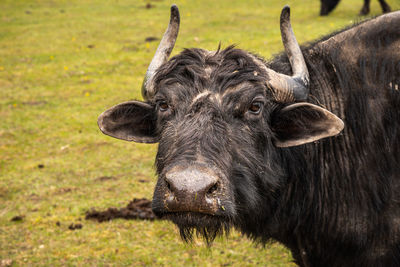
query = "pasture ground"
{"x": 64, "y": 62}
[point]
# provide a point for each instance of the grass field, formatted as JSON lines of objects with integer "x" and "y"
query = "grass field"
{"x": 64, "y": 62}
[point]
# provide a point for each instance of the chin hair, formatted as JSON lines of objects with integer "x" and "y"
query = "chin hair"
{"x": 205, "y": 226}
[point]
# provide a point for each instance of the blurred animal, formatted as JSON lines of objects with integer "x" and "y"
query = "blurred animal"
{"x": 303, "y": 149}
{"x": 328, "y": 5}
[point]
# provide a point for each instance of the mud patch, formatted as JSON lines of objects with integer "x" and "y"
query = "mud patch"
{"x": 151, "y": 39}
{"x": 75, "y": 226}
{"x": 148, "y": 6}
{"x": 18, "y": 218}
{"x": 105, "y": 178}
{"x": 137, "y": 209}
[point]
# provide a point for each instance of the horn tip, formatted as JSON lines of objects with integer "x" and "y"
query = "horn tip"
{"x": 285, "y": 12}
{"x": 174, "y": 11}
{"x": 175, "y": 14}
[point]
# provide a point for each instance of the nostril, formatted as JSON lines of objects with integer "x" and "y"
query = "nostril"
{"x": 212, "y": 189}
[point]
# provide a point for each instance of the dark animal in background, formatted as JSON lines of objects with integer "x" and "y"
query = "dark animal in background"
{"x": 328, "y": 5}
{"x": 255, "y": 145}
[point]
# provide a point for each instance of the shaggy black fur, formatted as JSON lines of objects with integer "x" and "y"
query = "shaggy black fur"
{"x": 328, "y": 5}
{"x": 203, "y": 225}
{"x": 335, "y": 202}
{"x": 342, "y": 197}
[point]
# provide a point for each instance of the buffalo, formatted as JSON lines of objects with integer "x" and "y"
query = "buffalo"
{"x": 328, "y": 5}
{"x": 303, "y": 149}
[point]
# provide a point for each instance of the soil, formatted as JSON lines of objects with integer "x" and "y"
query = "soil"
{"x": 137, "y": 209}
{"x": 75, "y": 226}
{"x": 148, "y": 6}
{"x": 105, "y": 178}
{"x": 17, "y": 218}
{"x": 151, "y": 39}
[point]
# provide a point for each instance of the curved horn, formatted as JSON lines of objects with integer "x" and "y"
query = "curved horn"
{"x": 293, "y": 87}
{"x": 163, "y": 51}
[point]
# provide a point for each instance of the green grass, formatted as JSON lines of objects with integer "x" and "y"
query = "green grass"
{"x": 64, "y": 62}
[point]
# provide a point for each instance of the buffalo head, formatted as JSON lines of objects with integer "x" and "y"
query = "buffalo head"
{"x": 221, "y": 119}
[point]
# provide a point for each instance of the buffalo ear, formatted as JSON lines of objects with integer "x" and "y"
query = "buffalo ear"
{"x": 130, "y": 121}
{"x": 302, "y": 123}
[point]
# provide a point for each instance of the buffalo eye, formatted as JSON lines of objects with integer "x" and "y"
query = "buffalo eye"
{"x": 163, "y": 105}
{"x": 255, "y": 107}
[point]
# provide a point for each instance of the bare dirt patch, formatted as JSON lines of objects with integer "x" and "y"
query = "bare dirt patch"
{"x": 75, "y": 226}
{"x": 18, "y": 218}
{"x": 105, "y": 178}
{"x": 137, "y": 209}
{"x": 148, "y": 6}
{"x": 151, "y": 39}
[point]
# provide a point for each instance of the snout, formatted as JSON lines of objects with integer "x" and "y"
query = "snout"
{"x": 196, "y": 189}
